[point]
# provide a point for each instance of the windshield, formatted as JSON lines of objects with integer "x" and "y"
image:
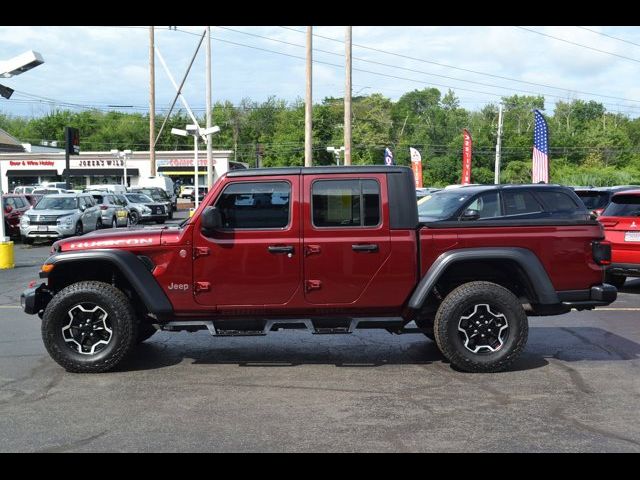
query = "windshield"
{"x": 593, "y": 200}
{"x": 138, "y": 198}
{"x": 441, "y": 205}
{"x": 57, "y": 203}
{"x": 623, "y": 206}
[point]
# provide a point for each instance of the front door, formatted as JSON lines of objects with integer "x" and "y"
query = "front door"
{"x": 254, "y": 260}
{"x": 346, "y": 239}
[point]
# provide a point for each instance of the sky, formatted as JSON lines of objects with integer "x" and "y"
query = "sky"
{"x": 104, "y": 66}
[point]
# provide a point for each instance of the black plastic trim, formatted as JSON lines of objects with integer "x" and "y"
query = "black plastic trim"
{"x": 596, "y": 296}
{"x": 250, "y": 172}
{"x": 403, "y": 206}
{"x": 134, "y": 270}
{"x": 527, "y": 260}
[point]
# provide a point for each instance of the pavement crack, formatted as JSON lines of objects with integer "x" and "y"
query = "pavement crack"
{"x": 72, "y": 445}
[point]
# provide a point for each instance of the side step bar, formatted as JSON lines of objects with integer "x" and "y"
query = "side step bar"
{"x": 391, "y": 325}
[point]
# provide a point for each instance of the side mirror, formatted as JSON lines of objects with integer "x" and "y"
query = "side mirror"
{"x": 470, "y": 214}
{"x": 211, "y": 219}
{"x": 83, "y": 208}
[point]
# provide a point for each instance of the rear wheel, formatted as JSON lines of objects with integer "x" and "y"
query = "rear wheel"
{"x": 89, "y": 327}
{"x": 481, "y": 327}
{"x": 615, "y": 280}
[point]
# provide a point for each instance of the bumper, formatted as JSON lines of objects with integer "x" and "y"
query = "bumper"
{"x": 52, "y": 231}
{"x": 153, "y": 218}
{"x": 34, "y": 300}
{"x": 596, "y": 296}
{"x": 626, "y": 269}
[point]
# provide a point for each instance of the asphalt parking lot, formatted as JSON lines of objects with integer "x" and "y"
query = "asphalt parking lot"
{"x": 576, "y": 388}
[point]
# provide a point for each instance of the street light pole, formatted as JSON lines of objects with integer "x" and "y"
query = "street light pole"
{"x": 195, "y": 168}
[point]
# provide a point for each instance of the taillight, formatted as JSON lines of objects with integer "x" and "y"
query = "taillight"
{"x": 601, "y": 251}
{"x": 104, "y": 207}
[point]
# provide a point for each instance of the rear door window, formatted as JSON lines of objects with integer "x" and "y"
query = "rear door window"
{"x": 346, "y": 203}
{"x": 520, "y": 202}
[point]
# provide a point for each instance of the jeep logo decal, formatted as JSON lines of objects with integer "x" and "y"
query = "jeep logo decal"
{"x": 178, "y": 286}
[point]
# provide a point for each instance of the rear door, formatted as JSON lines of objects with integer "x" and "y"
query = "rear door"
{"x": 346, "y": 235}
{"x": 254, "y": 261}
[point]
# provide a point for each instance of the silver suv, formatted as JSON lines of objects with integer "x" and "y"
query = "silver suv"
{"x": 143, "y": 209}
{"x": 61, "y": 215}
{"x": 113, "y": 210}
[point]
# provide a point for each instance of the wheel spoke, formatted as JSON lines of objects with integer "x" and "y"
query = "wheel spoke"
{"x": 483, "y": 330}
{"x": 88, "y": 330}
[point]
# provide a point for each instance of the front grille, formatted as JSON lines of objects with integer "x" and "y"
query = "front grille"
{"x": 43, "y": 219}
{"x": 156, "y": 209}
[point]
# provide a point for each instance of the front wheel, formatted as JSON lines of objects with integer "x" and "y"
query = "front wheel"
{"x": 79, "y": 229}
{"x": 89, "y": 327}
{"x": 134, "y": 217}
{"x": 481, "y": 327}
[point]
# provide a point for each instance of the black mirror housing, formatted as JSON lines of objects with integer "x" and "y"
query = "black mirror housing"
{"x": 211, "y": 219}
{"x": 470, "y": 214}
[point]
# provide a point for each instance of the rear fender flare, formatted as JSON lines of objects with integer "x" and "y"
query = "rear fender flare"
{"x": 526, "y": 259}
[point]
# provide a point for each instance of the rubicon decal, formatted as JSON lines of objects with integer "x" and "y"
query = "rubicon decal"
{"x": 111, "y": 243}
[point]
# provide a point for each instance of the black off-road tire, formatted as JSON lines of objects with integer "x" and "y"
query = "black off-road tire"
{"x": 145, "y": 331}
{"x": 463, "y": 300}
{"x": 615, "y": 280}
{"x": 124, "y": 325}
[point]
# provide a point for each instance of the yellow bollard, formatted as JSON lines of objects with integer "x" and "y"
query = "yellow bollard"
{"x": 6, "y": 255}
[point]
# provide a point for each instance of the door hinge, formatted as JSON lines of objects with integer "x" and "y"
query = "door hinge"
{"x": 311, "y": 249}
{"x": 201, "y": 252}
{"x": 201, "y": 287}
{"x": 312, "y": 285}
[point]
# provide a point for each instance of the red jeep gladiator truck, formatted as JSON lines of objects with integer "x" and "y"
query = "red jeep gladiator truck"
{"x": 331, "y": 249}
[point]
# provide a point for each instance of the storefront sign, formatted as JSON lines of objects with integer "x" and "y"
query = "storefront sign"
{"x": 181, "y": 162}
{"x": 28, "y": 164}
{"x": 99, "y": 163}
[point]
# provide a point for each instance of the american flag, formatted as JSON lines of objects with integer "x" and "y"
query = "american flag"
{"x": 540, "y": 169}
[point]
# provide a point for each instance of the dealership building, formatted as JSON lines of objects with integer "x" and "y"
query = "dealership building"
{"x": 91, "y": 168}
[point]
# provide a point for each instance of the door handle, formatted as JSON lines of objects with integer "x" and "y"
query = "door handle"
{"x": 370, "y": 247}
{"x": 285, "y": 249}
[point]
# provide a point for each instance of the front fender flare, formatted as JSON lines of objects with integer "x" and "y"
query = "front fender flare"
{"x": 131, "y": 267}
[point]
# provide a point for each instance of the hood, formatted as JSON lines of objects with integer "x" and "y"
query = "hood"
{"x": 58, "y": 213}
{"x": 111, "y": 238}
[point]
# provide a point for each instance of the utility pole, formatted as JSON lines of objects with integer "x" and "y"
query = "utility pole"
{"x": 308, "y": 105}
{"x": 208, "y": 102}
{"x": 498, "y": 144}
{"x": 152, "y": 102}
{"x": 347, "y": 98}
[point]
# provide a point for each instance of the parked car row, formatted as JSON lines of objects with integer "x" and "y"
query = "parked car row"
{"x": 60, "y": 215}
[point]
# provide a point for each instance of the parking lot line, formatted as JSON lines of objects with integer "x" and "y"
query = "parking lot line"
{"x": 621, "y": 309}
{"x": 10, "y": 306}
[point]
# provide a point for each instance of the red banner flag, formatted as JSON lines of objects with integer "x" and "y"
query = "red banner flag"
{"x": 416, "y": 166}
{"x": 466, "y": 157}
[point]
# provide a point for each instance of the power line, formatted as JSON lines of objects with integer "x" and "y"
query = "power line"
{"x": 609, "y": 36}
{"x": 579, "y": 45}
{"x": 468, "y": 70}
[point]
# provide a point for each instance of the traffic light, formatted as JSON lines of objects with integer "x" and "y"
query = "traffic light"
{"x": 72, "y": 141}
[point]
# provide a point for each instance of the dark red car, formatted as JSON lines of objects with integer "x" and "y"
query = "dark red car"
{"x": 33, "y": 198}
{"x": 13, "y": 207}
{"x": 621, "y": 221}
{"x": 333, "y": 250}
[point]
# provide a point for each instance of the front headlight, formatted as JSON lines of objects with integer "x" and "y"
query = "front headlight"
{"x": 146, "y": 209}
{"x": 65, "y": 221}
{"x": 25, "y": 220}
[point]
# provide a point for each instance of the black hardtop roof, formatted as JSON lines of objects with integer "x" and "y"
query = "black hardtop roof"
{"x": 249, "y": 172}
